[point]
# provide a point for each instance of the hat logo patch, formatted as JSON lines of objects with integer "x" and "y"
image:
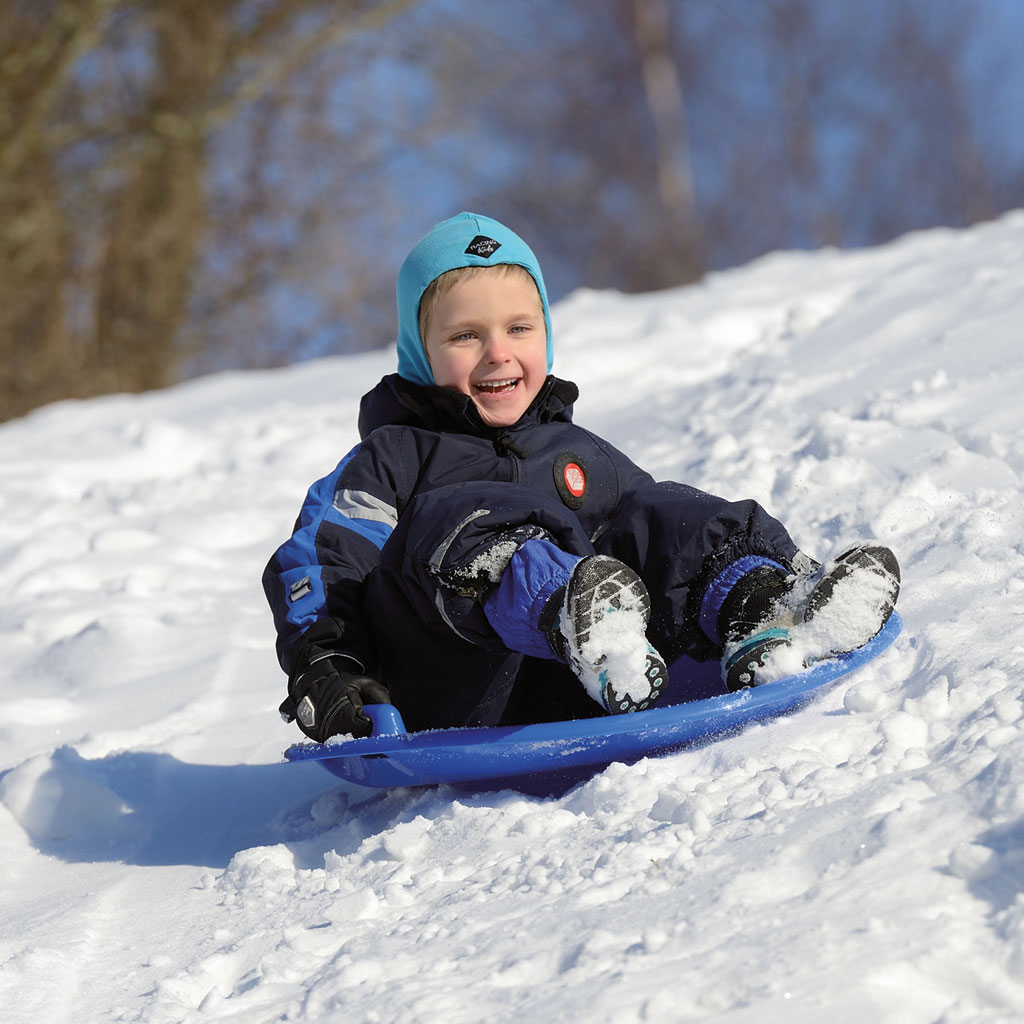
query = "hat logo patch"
{"x": 483, "y": 246}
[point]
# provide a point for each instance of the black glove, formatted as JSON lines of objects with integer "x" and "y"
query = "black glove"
{"x": 328, "y": 697}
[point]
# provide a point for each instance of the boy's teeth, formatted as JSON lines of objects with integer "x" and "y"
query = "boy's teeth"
{"x": 496, "y": 385}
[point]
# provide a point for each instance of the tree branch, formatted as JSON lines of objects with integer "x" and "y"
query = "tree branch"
{"x": 71, "y": 31}
{"x": 275, "y": 68}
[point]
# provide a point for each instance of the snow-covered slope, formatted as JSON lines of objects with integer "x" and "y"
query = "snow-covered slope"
{"x": 860, "y": 860}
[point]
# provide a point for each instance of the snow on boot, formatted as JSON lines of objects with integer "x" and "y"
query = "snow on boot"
{"x": 600, "y": 630}
{"x": 847, "y": 601}
{"x": 777, "y": 625}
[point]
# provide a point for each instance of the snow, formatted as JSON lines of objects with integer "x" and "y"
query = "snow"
{"x": 862, "y": 859}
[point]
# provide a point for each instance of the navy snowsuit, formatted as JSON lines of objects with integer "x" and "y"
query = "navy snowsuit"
{"x": 402, "y": 548}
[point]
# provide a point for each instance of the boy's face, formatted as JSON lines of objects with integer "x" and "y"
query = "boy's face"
{"x": 486, "y": 337}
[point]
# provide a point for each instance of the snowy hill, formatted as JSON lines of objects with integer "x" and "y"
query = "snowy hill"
{"x": 860, "y": 860}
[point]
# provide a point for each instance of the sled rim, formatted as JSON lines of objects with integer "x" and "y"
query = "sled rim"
{"x": 393, "y": 756}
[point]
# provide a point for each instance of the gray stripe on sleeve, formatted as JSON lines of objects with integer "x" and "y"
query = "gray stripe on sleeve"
{"x": 362, "y": 505}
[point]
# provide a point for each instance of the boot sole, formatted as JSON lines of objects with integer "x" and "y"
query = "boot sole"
{"x": 596, "y": 585}
{"x": 871, "y": 557}
{"x": 741, "y": 669}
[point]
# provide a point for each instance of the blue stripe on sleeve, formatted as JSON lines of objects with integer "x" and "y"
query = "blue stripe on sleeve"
{"x": 358, "y": 511}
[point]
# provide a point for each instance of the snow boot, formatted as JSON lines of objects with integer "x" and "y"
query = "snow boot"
{"x": 775, "y": 625}
{"x": 598, "y": 625}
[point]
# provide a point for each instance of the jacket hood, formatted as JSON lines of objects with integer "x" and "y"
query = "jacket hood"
{"x": 466, "y": 240}
{"x": 397, "y": 401}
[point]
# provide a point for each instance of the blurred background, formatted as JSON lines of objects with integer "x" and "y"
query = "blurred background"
{"x": 195, "y": 185}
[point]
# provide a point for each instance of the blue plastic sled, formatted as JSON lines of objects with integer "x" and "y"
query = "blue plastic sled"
{"x": 550, "y": 757}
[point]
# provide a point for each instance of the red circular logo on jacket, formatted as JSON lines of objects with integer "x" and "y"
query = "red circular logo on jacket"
{"x": 570, "y": 479}
{"x": 575, "y": 481}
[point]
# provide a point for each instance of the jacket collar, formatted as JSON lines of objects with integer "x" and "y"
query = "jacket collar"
{"x": 397, "y": 401}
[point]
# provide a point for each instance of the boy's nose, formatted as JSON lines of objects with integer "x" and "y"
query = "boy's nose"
{"x": 496, "y": 349}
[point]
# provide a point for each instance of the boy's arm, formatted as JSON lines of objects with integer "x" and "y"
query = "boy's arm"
{"x": 317, "y": 577}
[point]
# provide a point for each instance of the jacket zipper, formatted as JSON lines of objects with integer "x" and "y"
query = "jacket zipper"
{"x": 506, "y": 447}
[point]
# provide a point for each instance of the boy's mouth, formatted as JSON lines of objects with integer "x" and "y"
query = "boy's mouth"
{"x": 497, "y": 387}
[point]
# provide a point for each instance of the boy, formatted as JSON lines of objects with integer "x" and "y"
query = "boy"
{"x": 478, "y": 558}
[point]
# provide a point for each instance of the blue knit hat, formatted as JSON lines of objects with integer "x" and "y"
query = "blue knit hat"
{"x": 466, "y": 240}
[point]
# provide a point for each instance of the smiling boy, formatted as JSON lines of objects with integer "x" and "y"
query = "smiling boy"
{"x": 484, "y": 334}
{"x": 479, "y": 558}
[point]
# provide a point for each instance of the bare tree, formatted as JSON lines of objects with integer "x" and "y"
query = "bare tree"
{"x": 587, "y": 142}
{"x": 153, "y": 221}
{"x": 854, "y": 125}
{"x": 38, "y": 47}
{"x": 108, "y": 109}
{"x": 652, "y": 30}
{"x": 187, "y": 185}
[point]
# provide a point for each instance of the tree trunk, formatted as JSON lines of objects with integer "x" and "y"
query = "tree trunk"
{"x": 664, "y": 94}
{"x": 155, "y": 220}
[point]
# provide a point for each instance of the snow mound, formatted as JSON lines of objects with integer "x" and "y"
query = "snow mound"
{"x": 53, "y": 798}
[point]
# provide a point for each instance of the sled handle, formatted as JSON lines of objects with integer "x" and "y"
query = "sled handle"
{"x": 386, "y": 718}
